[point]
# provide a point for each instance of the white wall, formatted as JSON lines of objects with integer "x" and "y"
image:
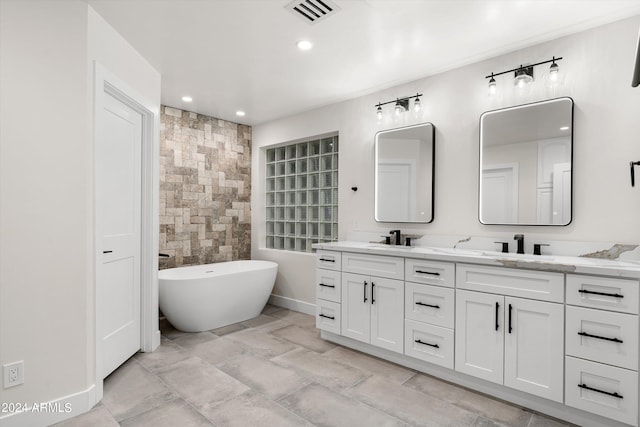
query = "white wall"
{"x": 46, "y": 190}
{"x": 595, "y": 72}
{"x": 45, "y": 265}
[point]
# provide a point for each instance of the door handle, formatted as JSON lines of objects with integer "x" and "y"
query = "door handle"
{"x": 497, "y": 307}
{"x": 633, "y": 174}
{"x": 365, "y": 292}
{"x": 373, "y": 299}
{"x": 510, "y": 308}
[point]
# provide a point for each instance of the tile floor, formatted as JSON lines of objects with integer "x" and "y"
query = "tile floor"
{"x": 275, "y": 371}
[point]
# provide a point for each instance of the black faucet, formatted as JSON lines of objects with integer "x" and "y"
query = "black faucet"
{"x": 520, "y": 239}
{"x": 397, "y": 233}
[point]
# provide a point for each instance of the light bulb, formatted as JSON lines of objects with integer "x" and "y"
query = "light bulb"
{"x": 416, "y": 105}
{"x": 553, "y": 72}
{"x": 492, "y": 86}
{"x": 379, "y": 112}
{"x": 399, "y": 109}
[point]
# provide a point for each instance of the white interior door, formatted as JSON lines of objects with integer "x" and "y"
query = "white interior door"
{"x": 499, "y": 203}
{"x": 562, "y": 193}
{"x": 118, "y": 225}
{"x": 394, "y": 190}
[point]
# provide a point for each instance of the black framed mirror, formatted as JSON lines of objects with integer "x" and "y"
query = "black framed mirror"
{"x": 526, "y": 164}
{"x": 403, "y": 174}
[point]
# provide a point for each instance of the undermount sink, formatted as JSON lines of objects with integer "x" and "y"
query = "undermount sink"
{"x": 385, "y": 246}
{"x": 521, "y": 257}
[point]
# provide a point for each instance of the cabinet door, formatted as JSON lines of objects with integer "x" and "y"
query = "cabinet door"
{"x": 533, "y": 348}
{"x": 387, "y": 313}
{"x": 479, "y": 335}
{"x": 356, "y": 306}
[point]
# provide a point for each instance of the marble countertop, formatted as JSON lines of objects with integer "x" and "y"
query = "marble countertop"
{"x": 562, "y": 264}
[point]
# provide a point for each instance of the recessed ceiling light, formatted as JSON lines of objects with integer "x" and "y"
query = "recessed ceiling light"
{"x": 564, "y": 128}
{"x": 187, "y": 98}
{"x": 240, "y": 113}
{"x": 305, "y": 45}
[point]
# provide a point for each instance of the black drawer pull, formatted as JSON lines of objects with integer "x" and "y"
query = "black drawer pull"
{"x": 585, "y": 334}
{"x": 326, "y": 286}
{"x": 428, "y": 305}
{"x": 107, "y": 252}
{"x": 510, "y": 309}
{"x": 584, "y": 291}
{"x": 327, "y": 260}
{"x": 586, "y": 387}
{"x": 326, "y": 317}
{"x": 428, "y": 272}
{"x": 497, "y": 308}
{"x": 426, "y": 343}
{"x": 373, "y": 298}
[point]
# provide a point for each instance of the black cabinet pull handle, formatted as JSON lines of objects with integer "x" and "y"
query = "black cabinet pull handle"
{"x": 107, "y": 252}
{"x": 633, "y": 175}
{"x": 510, "y": 308}
{"x": 584, "y": 291}
{"x": 585, "y": 334}
{"x": 426, "y": 343}
{"x": 373, "y": 298}
{"x": 327, "y": 260}
{"x": 428, "y": 272}
{"x": 326, "y": 286}
{"x": 586, "y": 387}
{"x": 427, "y": 305}
{"x": 365, "y": 291}
{"x": 326, "y": 317}
{"x": 497, "y": 307}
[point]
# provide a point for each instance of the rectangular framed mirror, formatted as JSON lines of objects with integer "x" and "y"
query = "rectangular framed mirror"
{"x": 526, "y": 163}
{"x": 404, "y": 171}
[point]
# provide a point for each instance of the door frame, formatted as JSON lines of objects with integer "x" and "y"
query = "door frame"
{"x": 105, "y": 82}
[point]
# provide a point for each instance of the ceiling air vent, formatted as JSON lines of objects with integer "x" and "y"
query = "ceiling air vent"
{"x": 313, "y": 11}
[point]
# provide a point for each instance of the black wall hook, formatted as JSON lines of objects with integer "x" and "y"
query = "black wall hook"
{"x": 354, "y": 188}
{"x": 633, "y": 174}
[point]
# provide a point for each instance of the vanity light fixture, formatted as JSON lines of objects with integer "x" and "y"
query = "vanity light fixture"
{"x": 401, "y": 105}
{"x": 523, "y": 74}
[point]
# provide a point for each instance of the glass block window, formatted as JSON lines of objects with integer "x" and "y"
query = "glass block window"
{"x": 302, "y": 194}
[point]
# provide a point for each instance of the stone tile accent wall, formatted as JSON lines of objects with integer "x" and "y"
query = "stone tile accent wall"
{"x": 205, "y": 189}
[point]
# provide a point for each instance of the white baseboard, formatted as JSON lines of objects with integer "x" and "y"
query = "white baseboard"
{"x": 293, "y": 304}
{"x": 54, "y": 411}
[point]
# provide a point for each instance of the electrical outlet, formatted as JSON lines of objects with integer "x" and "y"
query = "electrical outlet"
{"x": 13, "y": 374}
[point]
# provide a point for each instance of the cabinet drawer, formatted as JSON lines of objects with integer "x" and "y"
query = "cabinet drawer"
{"x": 328, "y": 259}
{"x": 601, "y": 292}
{"x": 328, "y": 285}
{"x": 604, "y": 329}
{"x": 602, "y": 382}
{"x": 373, "y": 265}
{"x": 328, "y": 316}
{"x": 538, "y": 285}
{"x": 429, "y": 304}
{"x": 430, "y": 272}
{"x": 429, "y": 343}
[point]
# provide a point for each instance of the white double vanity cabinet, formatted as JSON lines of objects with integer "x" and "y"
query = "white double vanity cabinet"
{"x": 555, "y": 334}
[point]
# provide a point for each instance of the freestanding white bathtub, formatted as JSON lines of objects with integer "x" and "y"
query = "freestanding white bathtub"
{"x": 202, "y": 297}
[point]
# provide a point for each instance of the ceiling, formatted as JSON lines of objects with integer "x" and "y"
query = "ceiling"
{"x": 231, "y": 55}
